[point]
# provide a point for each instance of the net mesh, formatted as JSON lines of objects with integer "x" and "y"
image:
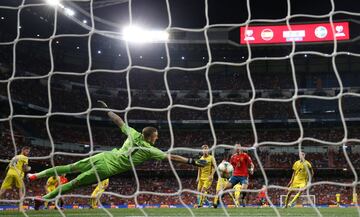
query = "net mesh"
{"x": 303, "y": 200}
{"x": 253, "y": 98}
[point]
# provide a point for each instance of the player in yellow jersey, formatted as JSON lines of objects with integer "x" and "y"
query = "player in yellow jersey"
{"x": 51, "y": 184}
{"x": 338, "y": 200}
{"x": 205, "y": 174}
{"x": 96, "y": 194}
{"x": 221, "y": 183}
{"x": 303, "y": 171}
{"x": 15, "y": 173}
{"x": 355, "y": 199}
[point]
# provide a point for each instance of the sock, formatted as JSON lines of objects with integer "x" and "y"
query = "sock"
{"x": 204, "y": 198}
{"x": 236, "y": 201}
{"x": 216, "y": 199}
{"x": 201, "y": 200}
{"x": 64, "y": 189}
{"x": 295, "y": 198}
{"x": 93, "y": 202}
{"x": 46, "y": 204}
{"x": 237, "y": 196}
{"x": 287, "y": 199}
{"x": 51, "y": 172}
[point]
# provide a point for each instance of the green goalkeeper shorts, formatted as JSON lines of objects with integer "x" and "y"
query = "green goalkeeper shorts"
{"x": 88, "y": 168}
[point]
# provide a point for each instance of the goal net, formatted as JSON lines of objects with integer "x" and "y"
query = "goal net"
{"x": 303, "y": 201}
{"x": 58, "y": 57}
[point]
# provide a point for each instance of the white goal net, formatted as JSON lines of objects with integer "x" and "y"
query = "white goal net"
{"x": 67, "y": 15}
{"x": 303, "y": 201}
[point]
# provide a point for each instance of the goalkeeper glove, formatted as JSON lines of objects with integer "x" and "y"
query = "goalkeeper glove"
{"x": 198, "y": 163}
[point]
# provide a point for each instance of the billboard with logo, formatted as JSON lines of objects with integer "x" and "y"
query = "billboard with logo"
{"x": 318, "y": 32}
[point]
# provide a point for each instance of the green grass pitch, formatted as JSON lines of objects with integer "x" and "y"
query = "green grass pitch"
{"x": 208, "y": 212}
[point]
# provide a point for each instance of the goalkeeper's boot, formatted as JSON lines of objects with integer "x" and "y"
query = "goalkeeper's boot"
{"x": 215, "y": 205}
{"x": 31, "y": 177}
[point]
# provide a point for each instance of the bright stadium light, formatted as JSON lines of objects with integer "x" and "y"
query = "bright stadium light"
{"x": 53, "y": 2}
{"x": 69, "y": 12}
{"x": 139, "y": 35}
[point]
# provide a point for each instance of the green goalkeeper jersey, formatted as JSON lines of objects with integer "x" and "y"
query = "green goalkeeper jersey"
{"x": 134, "y": 149}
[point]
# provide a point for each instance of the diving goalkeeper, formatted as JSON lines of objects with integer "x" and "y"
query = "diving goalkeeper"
{"x": 137, "y": 149}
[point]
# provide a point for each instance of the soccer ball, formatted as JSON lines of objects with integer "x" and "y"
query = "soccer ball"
{"x": 225, "y": 169}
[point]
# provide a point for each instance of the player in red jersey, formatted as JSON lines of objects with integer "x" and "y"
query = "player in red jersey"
{"x": 243, "y": 165}
{"x": 262, "y": 196}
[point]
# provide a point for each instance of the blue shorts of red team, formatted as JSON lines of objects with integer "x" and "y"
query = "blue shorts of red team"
{"x": 239, "y": 179}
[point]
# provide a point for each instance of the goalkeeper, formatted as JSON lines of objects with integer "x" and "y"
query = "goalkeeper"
{"x": 137, "y": 149}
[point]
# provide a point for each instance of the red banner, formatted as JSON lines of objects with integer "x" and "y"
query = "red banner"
{"x": 300, "y": 33}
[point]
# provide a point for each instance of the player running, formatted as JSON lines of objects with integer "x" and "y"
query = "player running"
{"x": 137, "y": 149}
{"x": 205, "y": 174}
{"x": 15, "y": 174}
{"x": 96, "y": 194}
{"x": 221, "y": 183}
{"x": 243, "y": 165}
{"x": 51, "y": 184}
{"x": 299, "y": 179}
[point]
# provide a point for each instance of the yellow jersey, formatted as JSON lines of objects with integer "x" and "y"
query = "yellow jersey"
{"x": 51, "y": 182}
{"x": 16, "y": 165}
{"x": 206, "y": 171}
{"x": 103, "y": 184}
{"x": 355, "y": 198}
{"x": 301, "y": 174}
{"x": 337, "y": 197}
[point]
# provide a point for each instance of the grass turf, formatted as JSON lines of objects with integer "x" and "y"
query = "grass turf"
{"x": 208, "y": 212}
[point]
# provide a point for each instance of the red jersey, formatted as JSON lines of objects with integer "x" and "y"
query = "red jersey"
{"x": 241, "y": 163}
{"x": 63, "y": 180}
{"x": 261, "y": 195}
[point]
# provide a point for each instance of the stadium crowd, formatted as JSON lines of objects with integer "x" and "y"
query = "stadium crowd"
{"x": 69, "y": 95}
{"x": 331, "y": 158}
{"x": 324, "y": 193}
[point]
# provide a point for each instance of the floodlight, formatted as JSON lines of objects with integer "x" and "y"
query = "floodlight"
{"x": 53, "y": 2}
{"x": 139, "y": 35}
{"x": 69, "y": 12}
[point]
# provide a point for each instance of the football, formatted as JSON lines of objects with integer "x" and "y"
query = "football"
{"x": 225, "y": 169}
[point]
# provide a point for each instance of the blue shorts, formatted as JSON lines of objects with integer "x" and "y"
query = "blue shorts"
{"x": 239, "y": 179}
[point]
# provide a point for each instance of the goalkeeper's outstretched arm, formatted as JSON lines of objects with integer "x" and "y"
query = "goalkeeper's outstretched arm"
{"x": 181, "y": 159}
{"x": 114, "y": 117}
